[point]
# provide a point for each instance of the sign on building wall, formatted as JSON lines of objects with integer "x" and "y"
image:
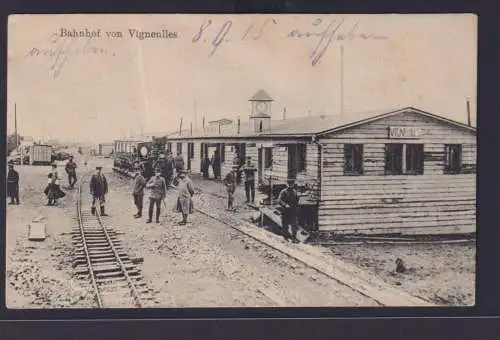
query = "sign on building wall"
{"x": 404, "y": 132}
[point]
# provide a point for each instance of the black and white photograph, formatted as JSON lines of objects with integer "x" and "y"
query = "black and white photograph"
{"x": 241, "y": 160}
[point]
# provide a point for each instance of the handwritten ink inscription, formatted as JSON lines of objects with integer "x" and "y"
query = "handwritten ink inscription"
{"x": 61, "y": 51}
{"x": 253, "y": 31}
{"x": 323, "y": 31}
{"x": 328, "y": 31}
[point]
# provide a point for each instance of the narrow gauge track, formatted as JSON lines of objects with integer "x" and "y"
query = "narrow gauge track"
{"x": 116, "y": 281}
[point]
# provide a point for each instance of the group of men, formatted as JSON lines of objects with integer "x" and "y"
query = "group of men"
{"x": 159, "y": 184}
{"x": 288, "y": 197}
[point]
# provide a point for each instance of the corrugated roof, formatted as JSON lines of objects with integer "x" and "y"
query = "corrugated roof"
{"x": 308, "y": 126}
{"x": 261, "y": 95}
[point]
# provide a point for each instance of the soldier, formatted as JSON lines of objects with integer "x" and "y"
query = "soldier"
{"x": 230, "y": 183}
{"x": 289, "y": 200}
{"x": 216, "y": 164}
{"x": 98, "y": 190}
{"x": 13, "y": 184}
{"x": 168, "y": 170}
{"x": 71, "y": 171}
{"x": 184, "y": 200}
{"x": 138, "y": 193}
{"x": 249, "y": 169}
{"x": 158, "y": 191}
{"x": 205, "y": 167}
{"x": 178, "y": 163}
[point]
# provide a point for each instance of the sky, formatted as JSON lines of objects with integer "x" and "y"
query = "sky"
{"x": 108, "y": 87}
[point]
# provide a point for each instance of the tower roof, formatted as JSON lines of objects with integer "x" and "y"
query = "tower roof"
{"x": 262, "y": 96}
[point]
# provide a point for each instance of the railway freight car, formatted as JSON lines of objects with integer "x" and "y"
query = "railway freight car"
{"x": 402, "y": 171}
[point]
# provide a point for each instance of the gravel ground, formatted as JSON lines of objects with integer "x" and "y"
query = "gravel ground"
{"x": 443, "y": 274}
{"x": 208, "y": 264}
{"x": 38, "y": 273}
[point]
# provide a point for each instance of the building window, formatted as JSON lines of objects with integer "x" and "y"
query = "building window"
{"x": 260, "y": 126}
{"x": 353, "y": 159}
{"x": 190, "y": 150}
{"x": 301, "y": 157}
{"x": 404, "y": 159}
{"x": 268, "y": 157}
{"x": 222, "y": 153}
{"x": 169, "y": 147}
{"x": 453, "y": 158}
{"x": 414, "y": 159}
{"x": 179, "y": 148}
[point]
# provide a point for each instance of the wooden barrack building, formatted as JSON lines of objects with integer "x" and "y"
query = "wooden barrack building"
{"x": 399, "y": 171}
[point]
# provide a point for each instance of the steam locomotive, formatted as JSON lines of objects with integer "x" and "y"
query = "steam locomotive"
{"x": 129, "y": 153}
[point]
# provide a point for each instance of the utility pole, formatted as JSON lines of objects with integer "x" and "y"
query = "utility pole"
{"x": 15, "y": 125}
{"x": 468, "y": 112}
{"x": 342, "y": 80}
{"x": 284, "y": 112}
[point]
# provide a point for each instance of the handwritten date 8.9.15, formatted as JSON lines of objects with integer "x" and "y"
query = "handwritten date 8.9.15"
{"x": 218, "y": 34}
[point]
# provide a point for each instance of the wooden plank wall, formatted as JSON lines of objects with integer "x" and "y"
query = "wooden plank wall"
{"x": 374, "y": 203}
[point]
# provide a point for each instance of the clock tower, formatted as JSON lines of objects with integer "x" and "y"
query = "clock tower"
{"x": 260, "y": 116}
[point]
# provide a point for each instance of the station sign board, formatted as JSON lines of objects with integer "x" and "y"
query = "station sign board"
{"x": 404, "y": 132}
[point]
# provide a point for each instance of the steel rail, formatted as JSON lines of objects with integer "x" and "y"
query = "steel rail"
{"x": 84, "y": 241}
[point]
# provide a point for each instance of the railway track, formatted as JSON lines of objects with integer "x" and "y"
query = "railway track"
{"x": 116, "y": 281}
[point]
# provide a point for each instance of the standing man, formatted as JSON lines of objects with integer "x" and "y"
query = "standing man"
{"x": 289, "y": 200}
{"x": 138, "y": 193}
{"x": 216, "y": 164}
{"x": 158, "y": 190}
{"x": 13, "y": 184}
{"x": 230, "y": 183}
{"x": 249, "y": 169}
{"x": 184, "y": 200}
{"x": 71, "y": 171}
{"x": 169, "y": 168}
{"x": 179, "y": 163}
{"x": 98, "y": 190}
{"x": 205, "y": 167}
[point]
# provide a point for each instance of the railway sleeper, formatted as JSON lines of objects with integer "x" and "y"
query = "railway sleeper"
{"x": 113, "y": 274}
{"x": 108, "y": 270}
{"x": 93, "y": 253}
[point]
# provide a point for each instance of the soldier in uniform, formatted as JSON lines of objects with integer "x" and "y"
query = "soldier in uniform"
{"x": 71, "y": 171}
{"x": 289, "y": 200}
{"x": 138, "y": 192}
{"x": 184, "y": 200}
{"x": 98, "y": 190}
{"x": 230, "y": 183}
{"x": 13, "y": 184}
{"x": 158, "y": 191}
{"x": 249, "y": 169}
{"x": 169, "y": 168}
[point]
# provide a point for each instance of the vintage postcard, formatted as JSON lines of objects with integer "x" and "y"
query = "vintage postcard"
{"x": 241, "y": 160}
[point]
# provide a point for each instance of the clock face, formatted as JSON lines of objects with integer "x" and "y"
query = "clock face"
{"x": 262, "y": 107}
{"x": 144, "y": 151}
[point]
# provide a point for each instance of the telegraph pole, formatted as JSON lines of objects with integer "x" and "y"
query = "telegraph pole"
{"x": 341, "y": 80}
{"x": 468, "y": 112}
{"x": 15, "y": 125}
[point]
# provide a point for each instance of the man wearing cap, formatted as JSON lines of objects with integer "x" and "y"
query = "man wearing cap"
{"x": 71, "y": 171}
{"x": 184, "y": 200}
{"x": 98, "y": 190}
{"x": 230, "y": 183}
{"x": 158, "y": 191}
{"x": 289, "y": 200}
{"x": 168, "y": 169}
{"x": 138, "y": 192}
{"x": 13, "y": 184}
{"x": 249, "y": 169}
